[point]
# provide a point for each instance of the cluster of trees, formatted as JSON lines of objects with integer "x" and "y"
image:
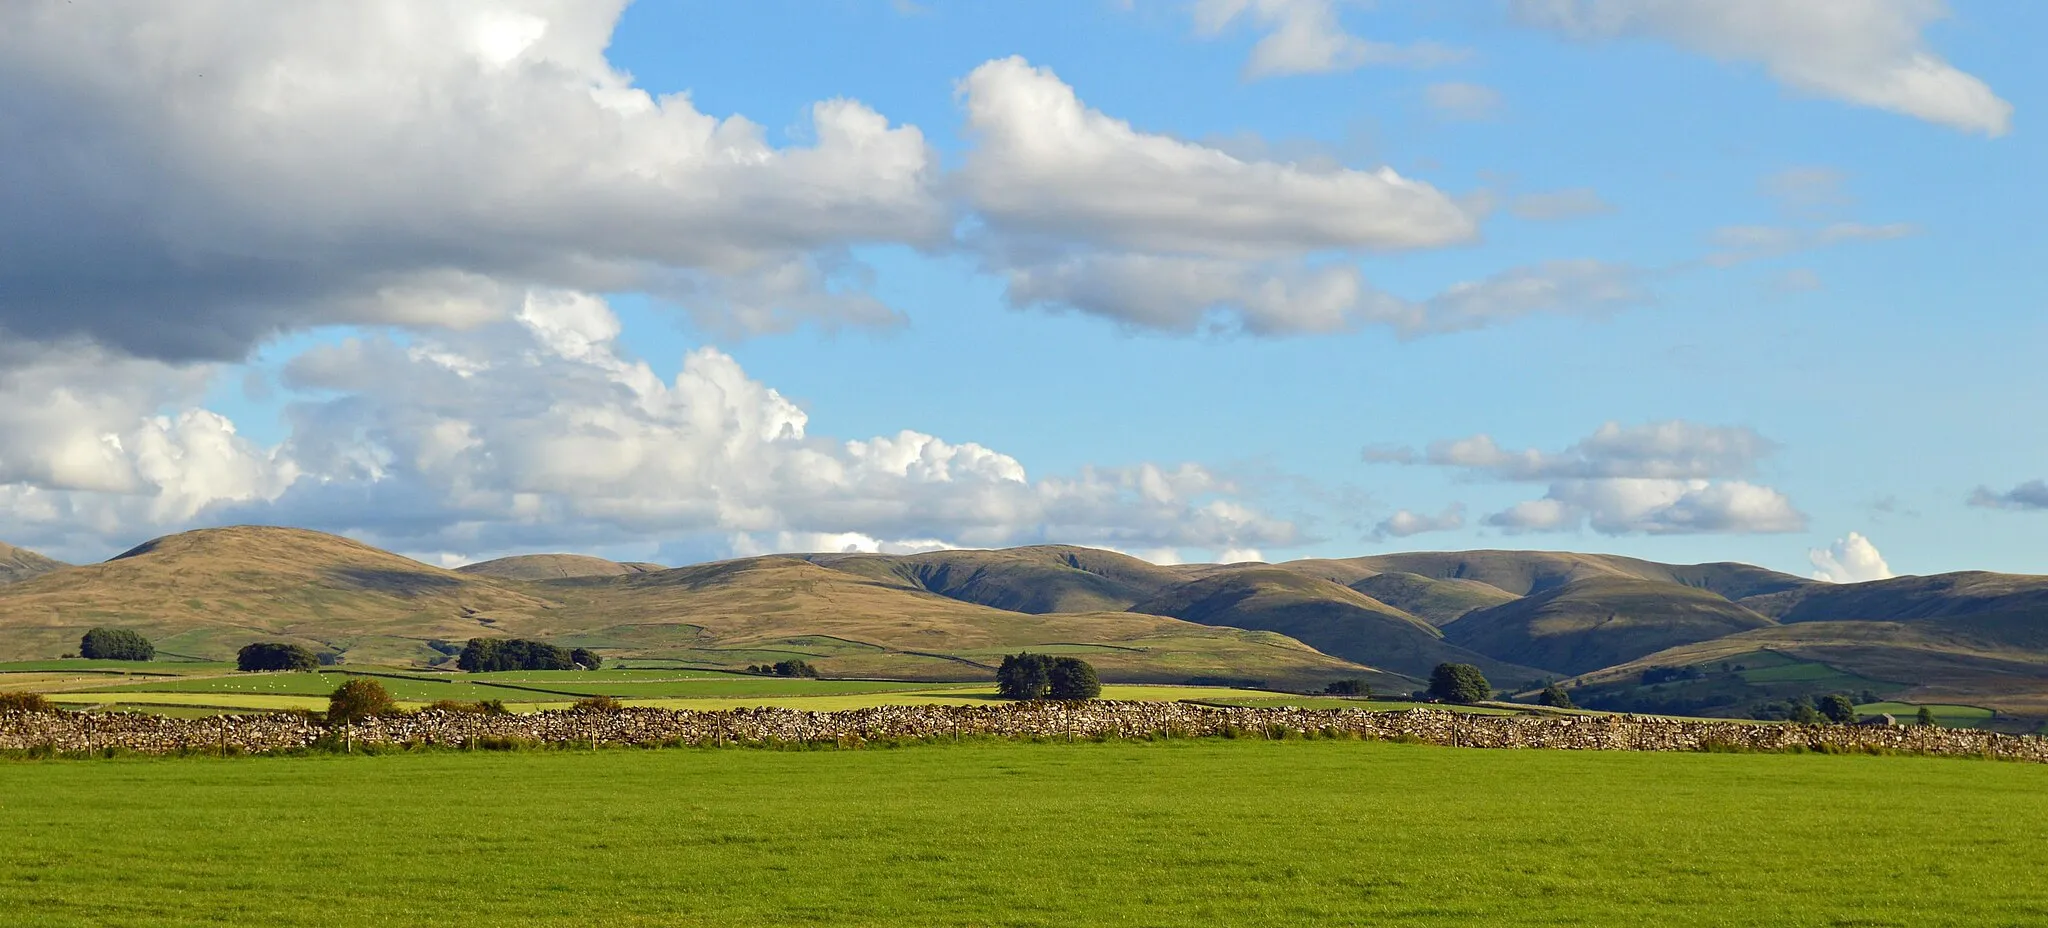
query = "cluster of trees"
{"x": 489, "y": 655}
{"x": 274, "y": 655}
{"x": 1043, "y": 676}
{"x": 1347, "y": 688}
{"x": 1839, "y": 708}
{"x": 1555, "y": 697}
{"x": 1459, "y": 683}
{"x": 784, "y": 669}
{"x": 115, "y": 644}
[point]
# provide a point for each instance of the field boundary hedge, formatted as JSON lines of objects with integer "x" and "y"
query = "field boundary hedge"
{"x": 72, "y": 733}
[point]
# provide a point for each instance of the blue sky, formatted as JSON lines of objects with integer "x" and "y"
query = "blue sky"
{"x": 1806, "y": 300}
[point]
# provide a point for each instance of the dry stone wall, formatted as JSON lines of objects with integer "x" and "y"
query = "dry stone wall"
{"x": 255, "y": 734}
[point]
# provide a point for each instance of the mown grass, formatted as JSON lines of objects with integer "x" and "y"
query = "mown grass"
{"x": 991, "y": 833}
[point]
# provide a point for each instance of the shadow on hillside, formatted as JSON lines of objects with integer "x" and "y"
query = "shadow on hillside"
{"x": 393, "y": 582}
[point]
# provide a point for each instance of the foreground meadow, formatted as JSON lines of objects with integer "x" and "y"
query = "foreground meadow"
{"x": 994, "y": 833}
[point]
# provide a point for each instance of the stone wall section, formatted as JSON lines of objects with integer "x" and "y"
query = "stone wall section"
{"x": 255, "y": 734}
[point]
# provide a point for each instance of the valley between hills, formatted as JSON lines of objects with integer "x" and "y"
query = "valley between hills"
{"x": 1620, "y": 633}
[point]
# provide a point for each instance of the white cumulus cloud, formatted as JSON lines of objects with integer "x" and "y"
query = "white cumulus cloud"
{"x": 1851, "y": 559}
{"x": 1307, "y": 37}
{"x": 1867, "y": 52}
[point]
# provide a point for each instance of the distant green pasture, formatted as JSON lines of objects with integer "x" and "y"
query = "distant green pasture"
{"x": 1952, "y": 716}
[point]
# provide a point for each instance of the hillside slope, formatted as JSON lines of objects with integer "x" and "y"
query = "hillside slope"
{"x": 1334, "y": 619}
{"x": 18, "y": 564}
{"x": 1524, "y": 572}
{"x": 553, "y": 567}
{"x": 1037, "y": 580}
{"x": 1434, "y": 601}
{"x": 1598, "y": 621}
{"x": 208, "y": 592}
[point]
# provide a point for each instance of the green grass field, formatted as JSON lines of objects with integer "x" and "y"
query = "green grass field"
{"x": 992, "y": 833}
{"x": 1944, "y": 715}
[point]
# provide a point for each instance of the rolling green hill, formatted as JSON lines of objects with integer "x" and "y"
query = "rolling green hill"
{"x": 554, "y": 567}
{"x": 1599, "y": 621}
{"x": 17, "y": 564}
{"x": 1959, "y": 639}
{"x": 206, "y": 593}
{"x": 1524, "y": 572}
{"x": 1036, "y": 580}
{"x": 1434, "y": 601}
{"x": 1332, "y": 618}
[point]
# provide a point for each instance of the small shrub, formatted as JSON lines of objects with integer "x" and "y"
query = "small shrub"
{"x": 1459, "y": 683}
{"x": 358, "y": 699}
{"x": 600, "y": 704}
{"x": 116, "y": 644}
{"x": 25, "y": 702}
{"x": 1555, "y": 697}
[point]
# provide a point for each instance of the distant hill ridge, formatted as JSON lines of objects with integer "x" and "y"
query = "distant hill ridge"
{"x": 20, "y": 564}
{"x": 1524, "y": 617}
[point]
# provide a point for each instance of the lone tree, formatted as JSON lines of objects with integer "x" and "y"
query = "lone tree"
{"x": 115, "y": 644}
{"x": 1555, "y": 697}
{"x": 1042, "y": 676}
{"x": 586, "y": 659}
{"x": 1352, "y": 687}
{"x": 1459, "y": 683}
{"x": 1926, "y": 716}
{"x": 274, "y": 655}
{"x": 1838, "y": 708}
{"x": 356, "y": 700}
{"x": 794, "y": 668}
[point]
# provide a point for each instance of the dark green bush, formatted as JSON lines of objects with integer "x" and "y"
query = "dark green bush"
{"x": 115, "y": 644}
{"x": 586, "y": 659}
{"x": 1347, "y": 688}
{"x": 1459, "y": 683}
{"x": 600, "y": 704}
{"x": 1555, "y": 697}
{"x": 1926, "y": 716}
{"x": 274, "y": 655}
{"x": 489, "y": 655}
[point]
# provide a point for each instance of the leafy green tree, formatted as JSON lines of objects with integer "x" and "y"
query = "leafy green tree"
{"x": 274, "y": 655}
{"x": 115, "y": 644}
{"x": 1024, "y": 676}
{"x": 1353, "y": 687}
{"x": 1555, "y": 697}
{"x": 1459, "y": 683}
{"x": 586, "y": 659}
{"x": 1803, "y": 711}
{"x": 358, "y": 699}
{"x": 1071, "y": 678}
{"x": 1838, "y": 708}
{"x": 490, "y": 655}
{"x": 1926, "y": 716}
{"x": 794, "y": 668}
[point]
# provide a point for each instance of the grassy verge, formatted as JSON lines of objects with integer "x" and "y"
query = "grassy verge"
{"x": 989, "y": 833}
